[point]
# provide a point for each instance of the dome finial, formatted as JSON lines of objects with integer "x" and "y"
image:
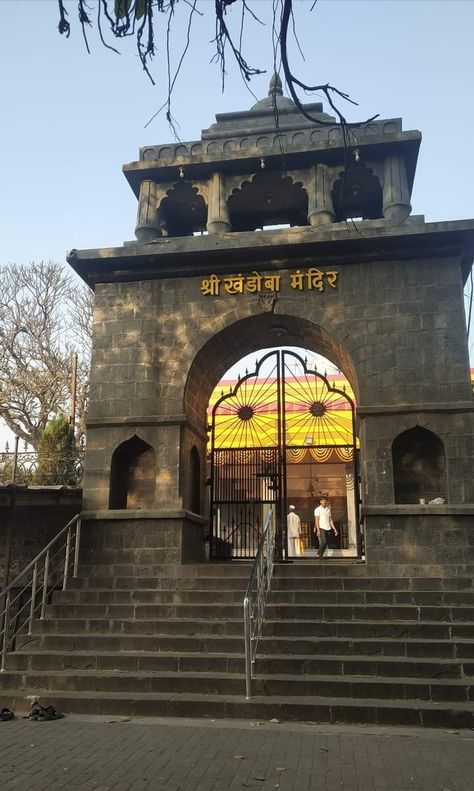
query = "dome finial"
{"x": 275, "y": 87}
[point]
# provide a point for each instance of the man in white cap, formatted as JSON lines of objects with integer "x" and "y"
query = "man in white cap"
{"x": 293, "y": 523}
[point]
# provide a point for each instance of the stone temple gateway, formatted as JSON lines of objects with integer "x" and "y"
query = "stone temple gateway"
{"x": 269, "y": 235}
{"x": 210, "y": 279}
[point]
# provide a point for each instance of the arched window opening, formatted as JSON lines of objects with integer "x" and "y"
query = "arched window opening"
{"x": 357, "y": 194}
{"x": 419, "y": 466}
{"x": 132, "y": 475}
{"x": 184, "y": 211}
{"x": 195, "y": 481}
{"x": 269, "y": 199}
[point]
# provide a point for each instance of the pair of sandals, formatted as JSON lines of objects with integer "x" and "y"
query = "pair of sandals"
{"x": 43, "y": 713}
{"x": 5, "y": 715}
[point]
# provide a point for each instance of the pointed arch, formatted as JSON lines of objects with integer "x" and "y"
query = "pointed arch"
{"x": 419, "y": 466}
{"x": 132, "y": 475}
{"x": 184, "y": 209}
{"x": 357, "y": 192}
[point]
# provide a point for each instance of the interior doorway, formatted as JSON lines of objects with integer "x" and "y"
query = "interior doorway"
{"x": 282, "y": 433}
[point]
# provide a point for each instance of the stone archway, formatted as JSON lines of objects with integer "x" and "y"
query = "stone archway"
{"x": 265, "y": 330}
{"x": 251, "y": 335}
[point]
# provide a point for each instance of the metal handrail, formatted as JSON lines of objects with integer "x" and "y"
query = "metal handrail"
{"x": 256, "y": 596}
{"x": 29, "y": 590}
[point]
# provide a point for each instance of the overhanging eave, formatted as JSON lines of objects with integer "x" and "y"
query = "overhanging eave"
{"x": 339, "y": 243}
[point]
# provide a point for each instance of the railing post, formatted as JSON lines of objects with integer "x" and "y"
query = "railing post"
{"x": 76, "y": 548}
{"x": 248, "y": 651}
{"x": 255, "y": 599}
{"x": 66, "y": 558}
{"x": 45, "y": 586}
{"x": 16, "y": 590}
{"x": 15, "y": 459}
{"x": 33, "y": 599}
{"x": 6, "y": 614}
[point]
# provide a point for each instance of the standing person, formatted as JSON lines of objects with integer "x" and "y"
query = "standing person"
{"x": 323, "y": 524}
{"x": 293, "y": 523}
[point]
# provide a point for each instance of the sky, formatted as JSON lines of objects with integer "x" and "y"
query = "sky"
{"x": 70, "y": 120}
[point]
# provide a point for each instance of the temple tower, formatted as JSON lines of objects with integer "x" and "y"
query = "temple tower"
{"x": 272, "y": 230}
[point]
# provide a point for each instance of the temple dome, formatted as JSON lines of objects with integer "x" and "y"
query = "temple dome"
{"x": 275, "y": 98}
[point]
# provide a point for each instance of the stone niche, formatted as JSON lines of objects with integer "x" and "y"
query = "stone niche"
{"x": 419, "y": 466}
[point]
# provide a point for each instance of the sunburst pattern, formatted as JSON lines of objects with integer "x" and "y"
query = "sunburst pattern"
{"x": 247, "y": 417}
{"x": 316, "y": 413}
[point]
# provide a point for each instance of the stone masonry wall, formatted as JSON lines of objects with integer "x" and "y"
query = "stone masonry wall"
{"x": 417, "y": 541}
{"x": 395, "y": 328}
{"x": 38, "y": 517}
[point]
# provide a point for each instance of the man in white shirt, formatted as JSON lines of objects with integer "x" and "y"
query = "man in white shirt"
{"x": 323, "y": 524}
{"x": 294, "y": 532}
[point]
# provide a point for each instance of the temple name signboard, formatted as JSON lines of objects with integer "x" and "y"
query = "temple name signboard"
{"x": 255, "y": 283}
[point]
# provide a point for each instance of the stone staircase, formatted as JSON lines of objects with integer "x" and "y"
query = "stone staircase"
{"x": 341, "y": 643}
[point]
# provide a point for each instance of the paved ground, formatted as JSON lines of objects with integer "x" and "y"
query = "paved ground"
{"x": 107, "y": 754}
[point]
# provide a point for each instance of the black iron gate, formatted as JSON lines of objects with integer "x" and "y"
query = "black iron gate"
{"x": 272, "y": 416}
{"x": 246, "y": 483}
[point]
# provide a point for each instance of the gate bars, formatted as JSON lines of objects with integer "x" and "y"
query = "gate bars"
{"x": 272, "y": 416}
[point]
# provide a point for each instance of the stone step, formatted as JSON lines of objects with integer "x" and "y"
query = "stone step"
{"x": 374, "y": 597}
{"x": 118, "y": 681}
{"x": 221, "y": 582}
{"x": 150, "y": 568}
{"x": 327, "y": 569}
{"x": 167, "y": 596}
{"x": 117, "y": 643}
{"x": 308, "y": 709}
{"x": 400, "y": 688}
{"x": 337, "y": 567}
{"x": 461, "y": 649}
{"x": 203, "y": 626}
{"x": 334, "y": 665}
{"x": 382, "y": 666}
{"x": 410, "y": 647}
{"x": 366, "y": 628}
{"x": 341, "y": 639}
{"x": 184, "y": 626}
{"x": 195, "y": 610}
{"x": 176, "y": 596}
{"x": 135, "y": 661}
{"x": 157, "y": 583}
{"x": 385, "y": 583}
{"x": 306, "y": 612}
{"x": 213, "y": 683}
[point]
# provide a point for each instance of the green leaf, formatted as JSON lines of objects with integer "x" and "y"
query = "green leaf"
{"x": 122, "y": 8}
{"x": 140, "y": 9}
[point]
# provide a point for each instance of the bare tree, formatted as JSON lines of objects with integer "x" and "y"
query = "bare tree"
{"x": 151, "y": 23}
{"x": 44, "y": 318}
{"x": 81, "y": 307}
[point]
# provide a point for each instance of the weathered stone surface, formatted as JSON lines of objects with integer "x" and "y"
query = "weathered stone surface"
{"x": 34, "y": 517}
{"x": 394, "y": 323}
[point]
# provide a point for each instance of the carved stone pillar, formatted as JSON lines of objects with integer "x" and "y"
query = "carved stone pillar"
{"x": 218, "y": 220}
{"x": 148, "y": 225}
{"x": 320, "y": 205}
{"x": 396, "y": 199}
